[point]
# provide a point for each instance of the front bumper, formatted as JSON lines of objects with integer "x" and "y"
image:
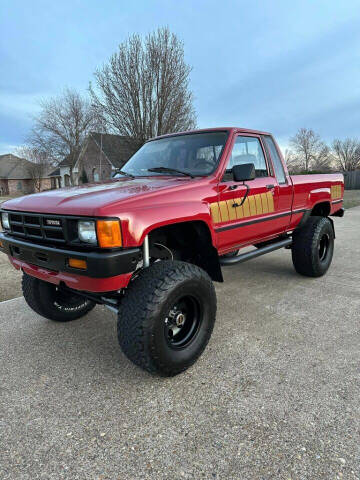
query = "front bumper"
{"x": 100, "y": 265}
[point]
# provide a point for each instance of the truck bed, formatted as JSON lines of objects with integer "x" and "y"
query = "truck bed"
{"x": 310, "y": 189}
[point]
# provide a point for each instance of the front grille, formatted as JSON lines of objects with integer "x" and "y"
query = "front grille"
{"x": 42, "y": 228}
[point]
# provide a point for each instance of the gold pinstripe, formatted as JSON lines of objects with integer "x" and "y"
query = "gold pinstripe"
{"x": 254, "y": 205}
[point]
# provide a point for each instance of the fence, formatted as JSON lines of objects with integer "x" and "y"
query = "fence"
{"x": 352, "y": 180}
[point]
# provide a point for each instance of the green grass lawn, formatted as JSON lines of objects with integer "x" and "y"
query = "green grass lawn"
{"x": 351, "y": 198}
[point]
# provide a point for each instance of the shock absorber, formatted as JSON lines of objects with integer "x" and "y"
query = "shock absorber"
{"x": 146, "y": 252}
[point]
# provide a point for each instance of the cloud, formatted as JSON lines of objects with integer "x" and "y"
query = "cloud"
{"x": 273, "y": 67}
{"x": 298, "y": 88}
{"x": 7, "y": 148}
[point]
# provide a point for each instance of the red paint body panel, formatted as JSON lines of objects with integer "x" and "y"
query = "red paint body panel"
{"x": 144, "y": 204}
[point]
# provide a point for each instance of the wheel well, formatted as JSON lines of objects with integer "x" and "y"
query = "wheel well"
{"x": 187, "y": 241}
{"x": 321, "y": 209}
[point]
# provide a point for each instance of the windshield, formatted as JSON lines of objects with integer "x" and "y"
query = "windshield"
{"x": 194, "y": 154}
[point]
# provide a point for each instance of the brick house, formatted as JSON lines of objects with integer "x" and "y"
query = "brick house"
{"x": 15, "y": 177}
{"x": 102, "y": 154}
{"x": 61, "y": 176}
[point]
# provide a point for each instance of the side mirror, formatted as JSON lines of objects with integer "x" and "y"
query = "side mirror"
{"x": 244, "y": 172}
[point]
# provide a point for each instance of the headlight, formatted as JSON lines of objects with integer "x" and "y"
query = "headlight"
{"x": 87, "y": 232}
{"x": 105, "y": 233}
{"x": 5, "y": 220}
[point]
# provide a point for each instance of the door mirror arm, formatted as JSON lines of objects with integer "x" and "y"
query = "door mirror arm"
{"x": 243, "y": 173}
{"x": 244, "y": 197}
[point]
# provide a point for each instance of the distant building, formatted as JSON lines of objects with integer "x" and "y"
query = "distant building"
{"x": 61, "y": 177}
{"x": 100, "y": 155}
{"x": 15, "y": 176}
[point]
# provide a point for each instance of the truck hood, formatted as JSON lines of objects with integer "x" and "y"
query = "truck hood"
{"x": 89, "y": 199}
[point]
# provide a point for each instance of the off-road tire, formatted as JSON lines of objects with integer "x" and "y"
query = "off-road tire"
{"x": 143, "y": 315}
{"x": 47, "y": 301}
{"x": 308, "y": 255}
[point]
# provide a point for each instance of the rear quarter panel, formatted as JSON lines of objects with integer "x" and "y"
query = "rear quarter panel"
{"x": 310, "y": 190}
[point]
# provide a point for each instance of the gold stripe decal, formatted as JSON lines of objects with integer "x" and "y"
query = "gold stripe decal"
{"x": 258, "y": 204}
{"x": 264, "y": 203}
{"x": 239, "y": 210}
{"x": 335, "y": 191}
{"x": 270, "y": 200}
{"x": 231, "y": 209}
{"x": 215, "y": 212}
{"x": 254, "y": 205}
{"x": 224, "y": 211}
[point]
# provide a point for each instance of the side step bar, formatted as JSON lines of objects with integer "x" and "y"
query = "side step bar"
{"x": 255, "y": 253}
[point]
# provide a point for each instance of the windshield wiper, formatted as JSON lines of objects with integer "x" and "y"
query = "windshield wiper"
{"x": 170, "y": 170}
{"x": 124, "y": 173}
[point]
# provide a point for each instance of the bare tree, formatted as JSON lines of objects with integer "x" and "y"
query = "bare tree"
{"x": 143, "y": 90}
{"x": 322, "y": 159}
{"x": 292, "y": 161}
{"x": 310, "y": 150}
{"x": 62, "y": 125}
{"x": 347, "y": 153}
{"x": 39, "y": 165}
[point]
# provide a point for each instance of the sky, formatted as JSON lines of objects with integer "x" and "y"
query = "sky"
{"x": 271, "y": 65}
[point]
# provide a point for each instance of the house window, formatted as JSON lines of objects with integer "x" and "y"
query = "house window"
{"x": 67, "y": 180}
{"x": 19, "y": 186}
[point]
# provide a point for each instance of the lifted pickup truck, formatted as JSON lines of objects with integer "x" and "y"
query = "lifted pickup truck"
{"x": 149, "y": 242}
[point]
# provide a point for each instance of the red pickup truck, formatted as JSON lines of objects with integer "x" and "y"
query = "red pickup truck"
{"x": 148, "y": 243}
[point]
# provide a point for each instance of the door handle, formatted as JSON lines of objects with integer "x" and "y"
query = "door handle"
{"x": 270, "y": 187}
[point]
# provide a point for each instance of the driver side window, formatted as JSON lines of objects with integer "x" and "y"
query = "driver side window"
{"x": 207, "y": 157}
{"x": 247, "y": 150}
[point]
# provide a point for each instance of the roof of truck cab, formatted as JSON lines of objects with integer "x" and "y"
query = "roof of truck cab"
{"x": 217, "y": 129}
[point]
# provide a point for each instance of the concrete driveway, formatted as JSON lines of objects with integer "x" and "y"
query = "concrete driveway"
{"x": 275, "y": 395}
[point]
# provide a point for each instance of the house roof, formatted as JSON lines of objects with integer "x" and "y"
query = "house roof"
{"x": 117, "y": 148}
{"x": 55, "y": 173}
{"x": 67, "y": 162}
{"x": 14, "y": 168}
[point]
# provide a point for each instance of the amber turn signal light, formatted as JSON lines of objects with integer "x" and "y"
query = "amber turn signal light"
{"x": 76, "y": 263}
{"x": 108, "y": 233}
{"x": 1, "y": 245}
